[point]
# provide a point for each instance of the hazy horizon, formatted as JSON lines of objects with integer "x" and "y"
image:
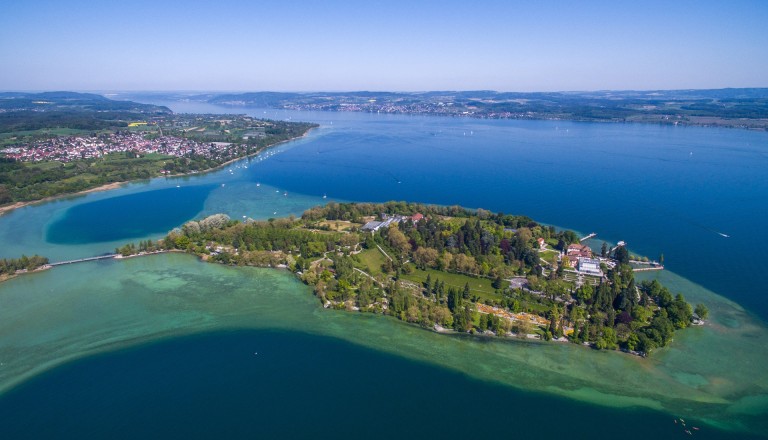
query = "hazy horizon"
{"x": 107, "y": 92}
{"x": 394, "y": 46}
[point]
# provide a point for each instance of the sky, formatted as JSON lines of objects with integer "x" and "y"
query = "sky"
{"x": 394, "y": 45}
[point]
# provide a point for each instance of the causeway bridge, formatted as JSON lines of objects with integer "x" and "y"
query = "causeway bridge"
{"x": 82, "y": 260}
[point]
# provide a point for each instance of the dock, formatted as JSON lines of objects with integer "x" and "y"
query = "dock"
{"x": 652, "y": 265}
{"x": 594, "y": 234}
{"x": 618, "y": 245}
{"x": 644, "y": 269}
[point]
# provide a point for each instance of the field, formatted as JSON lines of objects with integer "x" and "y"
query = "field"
{"x": 337, "y": 225}
{"x": 478, "y": 286}
{"x": 371, "y": 261}
{"x": 550, "y": 256}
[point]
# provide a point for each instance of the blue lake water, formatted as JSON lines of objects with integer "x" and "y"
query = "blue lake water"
{"x": 696, "y": 195}
{"x": 671, "y": 190}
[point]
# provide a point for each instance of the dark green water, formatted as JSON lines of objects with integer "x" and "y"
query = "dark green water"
{"x": 270, "y": 384}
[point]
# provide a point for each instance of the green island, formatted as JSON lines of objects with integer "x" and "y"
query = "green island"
{"x": 450, "y": 269}
{"x": 10, "y": 267}
{"x": 53, "y": 144}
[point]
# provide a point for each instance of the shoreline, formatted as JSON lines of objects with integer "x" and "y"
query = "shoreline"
{"x": 114, "y": 345}
{"x": 117, "y": 344}
{"x": 727, "y": 123}
{"x": 106, "y": 187}
{"x": 6, "y": 209}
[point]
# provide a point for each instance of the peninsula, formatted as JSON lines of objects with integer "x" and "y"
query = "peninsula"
{"x": 72, "y": 147}
{"x": 11, "y": 267}
{"x": 450, "y": 268}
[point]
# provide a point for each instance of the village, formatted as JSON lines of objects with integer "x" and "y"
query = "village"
{"x": 71, "y": 148}
{"x": 204, "y": 136}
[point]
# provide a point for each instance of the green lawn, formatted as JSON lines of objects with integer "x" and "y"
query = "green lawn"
{"x": 371, "y": 261}
{"x": 478, "y": 286}
{"x": 549, "y": 256}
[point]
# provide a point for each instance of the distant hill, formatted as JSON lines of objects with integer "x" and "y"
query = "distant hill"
{"x": 83, "y": 111}
{"x": 745, "y": 107}
{"x": 50, "y": 101}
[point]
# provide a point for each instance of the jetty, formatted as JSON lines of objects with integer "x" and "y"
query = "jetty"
{"x": 594, "y": 234}
{"x": 651, "y": 265}
{"x": 82, "y": 260}
{"x": 644, "y": 269}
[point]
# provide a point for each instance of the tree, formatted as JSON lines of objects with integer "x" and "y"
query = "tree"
{"x": 5, "y": 195}
{"x": 584, "y": 293}
{"x": 701, "y": 311}
{"x": 453, "y": 300}
{"x": 524, "y": 327}
{"x": 604, "y": 250}
{"x": 497, "y": 283}
{"x": 632, "y": 341}
{"x": 425, "y": 257}
{"x": 398, "y": 240}
{"x": 621, "y": 255}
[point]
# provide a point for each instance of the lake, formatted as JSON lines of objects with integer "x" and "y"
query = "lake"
{"x": 693, "y": 194}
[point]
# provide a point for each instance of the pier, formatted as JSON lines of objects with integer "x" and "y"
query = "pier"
{"x": 618, "y": 245}
{"x": 652, "y": 265}
{"x": 644, "y": 269}
{"x": 594, "y": 234}
{"x": 82, "y": 260}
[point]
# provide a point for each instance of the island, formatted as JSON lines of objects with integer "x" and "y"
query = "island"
{"x": 53, "y": 144}
{"x": 452, "y": 269}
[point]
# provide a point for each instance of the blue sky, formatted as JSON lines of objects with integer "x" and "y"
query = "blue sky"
{"x": 232, "y": 45}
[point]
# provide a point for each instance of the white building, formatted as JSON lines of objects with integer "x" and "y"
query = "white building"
{"x": 590, "y": 266}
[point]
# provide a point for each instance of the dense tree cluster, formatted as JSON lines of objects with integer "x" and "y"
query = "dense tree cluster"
{"x": 610, "y": 313}
{"x": 21, "y": 181}
{"x": 237, "y": 239}
{"x": 9, "y": 266}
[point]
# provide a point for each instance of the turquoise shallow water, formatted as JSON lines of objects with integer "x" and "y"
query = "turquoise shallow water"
{"x": 236, "y": 311}
{"x": 659, "y": 188}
